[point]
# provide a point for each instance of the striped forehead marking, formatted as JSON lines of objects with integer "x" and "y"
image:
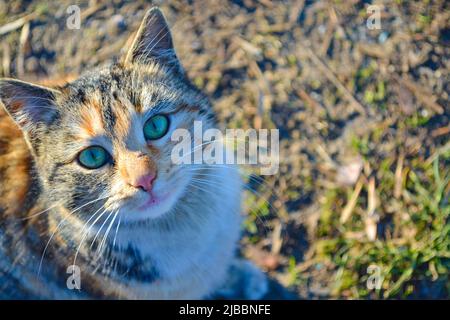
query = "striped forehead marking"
{"x": 123, "y": 111}
{"x": 91, "y": 115}
{"x": 102, "y": 113}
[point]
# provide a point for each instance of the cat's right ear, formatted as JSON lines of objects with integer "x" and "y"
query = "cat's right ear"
{"x": 29, "y": 105}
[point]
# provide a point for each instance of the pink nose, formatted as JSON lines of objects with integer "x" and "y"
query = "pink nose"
{"x": 145, "y": 182}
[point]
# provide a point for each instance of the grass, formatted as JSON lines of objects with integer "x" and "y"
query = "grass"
{"x": 413, "y": 251}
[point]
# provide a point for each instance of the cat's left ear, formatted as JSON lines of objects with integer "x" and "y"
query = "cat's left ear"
{"x": 30, "y": 105}
{"x": 153, "y": 42}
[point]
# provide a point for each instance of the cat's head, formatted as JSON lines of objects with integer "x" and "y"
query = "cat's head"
{"x": 107, "y": 134}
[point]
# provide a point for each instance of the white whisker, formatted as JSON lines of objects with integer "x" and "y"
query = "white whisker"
{"x": 57, "y": 227}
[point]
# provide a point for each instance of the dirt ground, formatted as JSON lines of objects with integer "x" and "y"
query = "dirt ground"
{"x": 363, "y": 114}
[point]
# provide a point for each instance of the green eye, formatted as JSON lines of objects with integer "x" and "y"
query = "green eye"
{"x": 156, "y": 127}
{"x": 93, "y": 157}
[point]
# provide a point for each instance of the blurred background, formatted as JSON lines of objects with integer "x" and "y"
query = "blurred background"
{"x": 360, "y": 207}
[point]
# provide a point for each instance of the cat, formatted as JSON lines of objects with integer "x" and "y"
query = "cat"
{"x": 91, "y": 206}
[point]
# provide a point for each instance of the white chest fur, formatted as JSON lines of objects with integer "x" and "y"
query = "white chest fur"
{"x": 194, "y": 250}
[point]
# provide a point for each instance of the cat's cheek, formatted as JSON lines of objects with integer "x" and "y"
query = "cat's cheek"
{"x": 154, "y": 150}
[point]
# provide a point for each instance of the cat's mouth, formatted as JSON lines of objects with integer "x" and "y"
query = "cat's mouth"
{"x": 139, "y": 205}
{"x": 149, "y": 205}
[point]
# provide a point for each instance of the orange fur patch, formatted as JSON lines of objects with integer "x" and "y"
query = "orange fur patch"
{"x": 91, "y": 119}
{"x": 15, "y": 163}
